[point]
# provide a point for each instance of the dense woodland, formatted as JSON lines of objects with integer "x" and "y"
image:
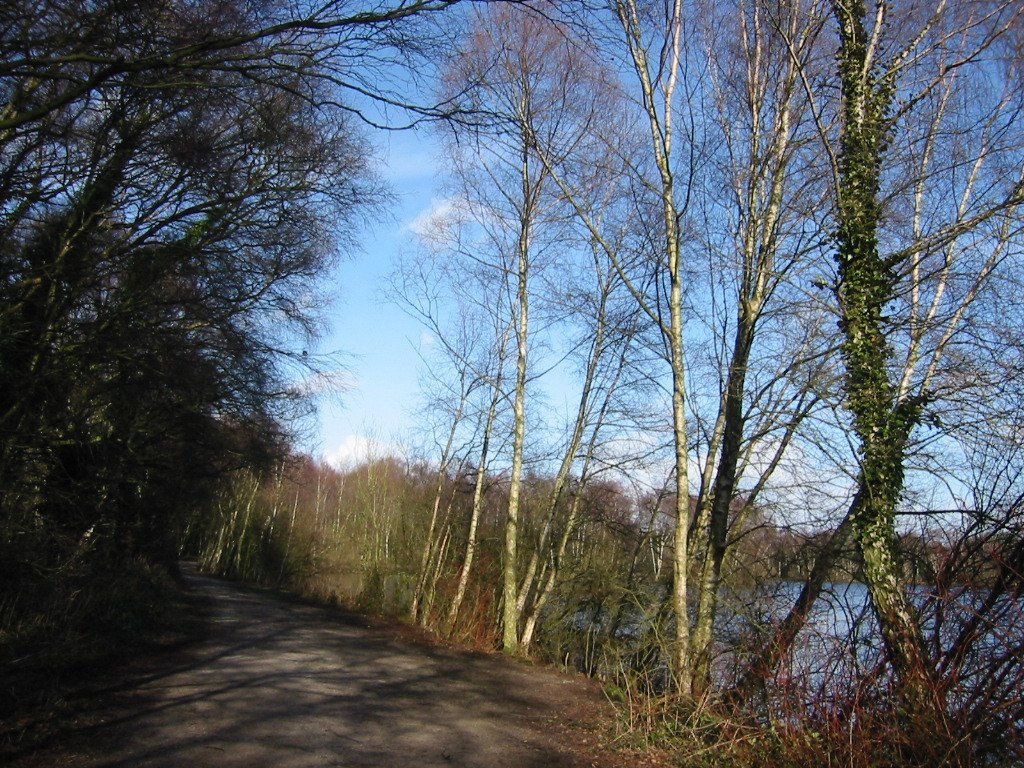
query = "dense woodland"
{"x": 726, "y": 307}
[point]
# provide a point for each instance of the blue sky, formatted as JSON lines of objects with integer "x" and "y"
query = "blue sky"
{"x": 378, "y": 341}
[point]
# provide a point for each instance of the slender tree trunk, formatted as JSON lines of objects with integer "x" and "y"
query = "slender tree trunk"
{"x": 761, "y": 182}
{"x": 721, "y": 503}
{"x": 442, "y": 553}
{"x": 430, "y": 545}
{"x": 544, "y": 590}
{"x": 547, "y": 587}
{"x": 680, "y": 562}
{"x": 658, "y": 84}
{"x": 474, "y": 517}
{"x": 510, "y": 584}
{"x": 583, "y": 411}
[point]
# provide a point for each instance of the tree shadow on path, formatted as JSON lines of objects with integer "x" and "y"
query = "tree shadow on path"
{"x": 277, "y": 682}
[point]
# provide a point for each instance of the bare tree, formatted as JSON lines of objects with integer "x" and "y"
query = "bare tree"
{"x": 761, "y": 261}
{"x": 526, "y": 73}
{"x": 474, "y": 345}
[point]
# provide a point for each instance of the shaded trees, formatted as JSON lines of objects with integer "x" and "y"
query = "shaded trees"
{"x": 173, "y": 179}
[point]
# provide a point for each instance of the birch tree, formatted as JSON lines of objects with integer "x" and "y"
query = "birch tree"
{"x": 545, "y": 91}
{"x": 474, "y": 341}
{"x": 653, "y": 37}
{"x": 510, "y": 202}
{"x": 761, "y": 253}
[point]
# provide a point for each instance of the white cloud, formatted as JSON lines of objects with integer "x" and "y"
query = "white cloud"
{"x": 356, "y": 449}
{"x": 437, "y": 224}
{"x": 328, "y": 383}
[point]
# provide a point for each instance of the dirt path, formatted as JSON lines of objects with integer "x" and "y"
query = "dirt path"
{"x": 284, "y": 684}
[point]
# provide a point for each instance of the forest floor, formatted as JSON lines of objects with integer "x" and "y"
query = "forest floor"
{"x": 255, "y": 678}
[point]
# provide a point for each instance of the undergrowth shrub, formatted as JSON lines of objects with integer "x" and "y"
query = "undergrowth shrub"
{"x": 704, "y": 733}
{"x": 99, "y": 608}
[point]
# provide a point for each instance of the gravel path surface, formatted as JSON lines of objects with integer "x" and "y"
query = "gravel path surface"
{"x": 280, "y": 683}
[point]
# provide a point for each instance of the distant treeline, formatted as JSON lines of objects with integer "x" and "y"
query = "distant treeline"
{"x": 357, "y": 536}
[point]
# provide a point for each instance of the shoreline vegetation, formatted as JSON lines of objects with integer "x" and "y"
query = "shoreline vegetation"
{"x": 352, "y": 537}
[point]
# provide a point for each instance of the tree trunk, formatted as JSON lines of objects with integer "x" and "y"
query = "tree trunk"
{"x": 429, "y": 546}
{"x": 510, "y": 584}
{"x": 882, "y": 422}
{"x": 474, "y": 518}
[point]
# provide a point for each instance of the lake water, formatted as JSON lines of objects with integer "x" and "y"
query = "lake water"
{"x": 839, "y": 642}
{"x": 836, "y": 664}
{"x": 839, "y": 646}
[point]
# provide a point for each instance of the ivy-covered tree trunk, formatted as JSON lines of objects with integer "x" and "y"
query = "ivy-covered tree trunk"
{"x": 881, "y": 420}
